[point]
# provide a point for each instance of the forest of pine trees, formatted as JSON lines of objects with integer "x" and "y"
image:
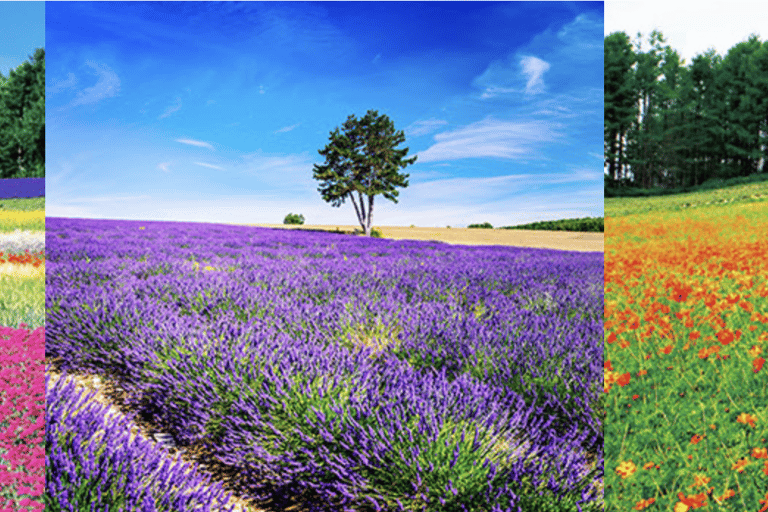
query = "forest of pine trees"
{"x": 22, "y": 119}
{"x": 670, "y": 124}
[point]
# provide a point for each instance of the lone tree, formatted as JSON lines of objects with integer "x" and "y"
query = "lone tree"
{"x": 363, "y": 162}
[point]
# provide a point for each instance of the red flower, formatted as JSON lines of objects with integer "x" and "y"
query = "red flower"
{"x": 623, "y": 380}
{"x": 725, "y": 336}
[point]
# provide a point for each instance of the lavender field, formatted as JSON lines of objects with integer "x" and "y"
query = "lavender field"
{"x": 344, "y": 373}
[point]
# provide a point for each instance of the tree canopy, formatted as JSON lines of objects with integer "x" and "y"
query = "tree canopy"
{"x": 362, "y": 161}
{"x": 668, "y": 124}
{"x": 22, "y": 119}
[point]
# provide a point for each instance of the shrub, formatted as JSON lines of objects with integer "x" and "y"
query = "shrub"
{"x": 484, "y": 225}
{"x": 375, "y": 233}
{"x": 293, "y": 218}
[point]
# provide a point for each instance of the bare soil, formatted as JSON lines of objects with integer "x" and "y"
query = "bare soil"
{"x": 560, "y": 240}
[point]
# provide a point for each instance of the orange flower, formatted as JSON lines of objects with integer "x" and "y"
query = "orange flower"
{"x": 757, "y": 364}
{"x": 700, "y": 480}
{"x": 692, "y": 501}
{"x": 747, "y": 418}
{"x": 740, "y": 465}
{"x": 765, "y": 507}
{"x": 760, "y": 453}
{"x": 667, "y": 349}
{"x": 644, "y": 503}
{"x": 694, "y": 335}
{"x": 730, "y": 493}
{"x": 695, "y": 439}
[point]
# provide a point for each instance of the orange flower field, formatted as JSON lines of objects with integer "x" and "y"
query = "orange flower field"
{"x": 686, "y": 339}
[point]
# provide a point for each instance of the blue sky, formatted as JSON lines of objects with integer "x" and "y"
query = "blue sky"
{"x": 215, "y": 112}
{"x": 22, "y": 31}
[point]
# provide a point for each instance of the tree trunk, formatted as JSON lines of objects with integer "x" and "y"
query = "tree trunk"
{"x": 364, "y": 218}
{"x": 370, "y": 215}
{"x": 357, "y": 209}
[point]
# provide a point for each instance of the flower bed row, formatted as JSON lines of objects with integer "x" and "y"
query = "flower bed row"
{"x": 22, "y": 409}
{"x": 368, "y": 374}
{"x": 20, "y": 221}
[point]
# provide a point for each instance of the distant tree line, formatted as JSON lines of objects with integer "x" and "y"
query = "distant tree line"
{"x": 586, "y": 224}
{"x": 22, "y": 119}
{"x": 671, "y": 125}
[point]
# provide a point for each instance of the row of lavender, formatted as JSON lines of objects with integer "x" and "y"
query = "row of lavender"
{"x": 358, "y": 373}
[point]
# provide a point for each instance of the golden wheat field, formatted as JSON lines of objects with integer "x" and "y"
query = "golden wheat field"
{"x": 560, "y": 240}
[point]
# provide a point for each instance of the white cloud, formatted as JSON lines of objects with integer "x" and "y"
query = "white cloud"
{"x": 501, "y": 78}
{"x": 192, "y": 142}
{"x": 211, "y": 166}
{"x": 534, "y": 68}
{"x": 164, "y": 166}
{"x": 492, "y": 91}
{"x": 71, "y": 81}
{"x": 107, "y": 86}
{"x": 170, "y": 110}
{"x": 490, "y": 138}
{"x": 579, "y": 35}
{"x": 465, "y": 190}
{"x": 424, "y": 127}
{"x": 278, "y": 169}
{"x": 287, "y": 128}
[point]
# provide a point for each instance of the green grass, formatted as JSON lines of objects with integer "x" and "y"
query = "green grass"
{"x": 748, "y": 193}
{"x": 22, "y": 205}
{"x": 22, "y": 301}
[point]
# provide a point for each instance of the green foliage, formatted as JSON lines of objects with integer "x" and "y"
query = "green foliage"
{"x": 673, "y": 127}
{"x": 22, "y": 120}
{"x": 293, "y": 218}
{"x": 586, "y": 224}
{"x": 362, "y": 162}
{"x": 620, "y": 99}
{"x": 375, "y": 233}
{"x": 484, "y": 225}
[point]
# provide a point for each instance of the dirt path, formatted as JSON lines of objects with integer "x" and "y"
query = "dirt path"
{"x": 560, "y": 240}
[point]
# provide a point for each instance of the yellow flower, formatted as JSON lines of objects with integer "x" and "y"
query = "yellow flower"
{"x": 626, "y": 469}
